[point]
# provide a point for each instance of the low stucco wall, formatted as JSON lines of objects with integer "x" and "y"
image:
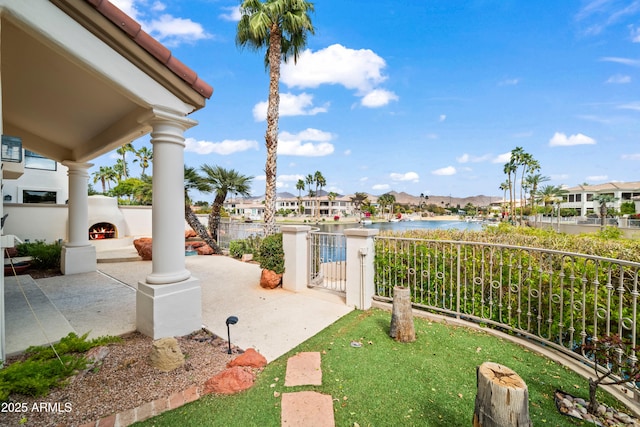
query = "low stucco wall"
{"x": 49, "y": 222}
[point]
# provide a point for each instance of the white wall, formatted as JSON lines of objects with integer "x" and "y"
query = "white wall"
{"x": 39, "y": 180}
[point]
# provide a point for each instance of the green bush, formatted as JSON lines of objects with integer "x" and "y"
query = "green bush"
{"x": 45, "y": 255}
{"x": 250, "y": 245}
{"x": 42, "y": 370}
{"x": 271, "y": 255}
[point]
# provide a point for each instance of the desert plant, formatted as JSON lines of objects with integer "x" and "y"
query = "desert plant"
{"x": 611, "y": 365}
{"x": 250, "y": 245}
{"x": 271, "y": 255}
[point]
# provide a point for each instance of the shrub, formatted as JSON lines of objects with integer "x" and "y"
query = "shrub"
{"x": 45, "y": 255}
{"x": 250, "y": 245}
{"x": 271, "y": 255}
{"x": 610, "y": 233}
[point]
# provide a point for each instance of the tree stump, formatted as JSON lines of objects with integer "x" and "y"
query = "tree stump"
{"x": 401, "y": 316}
{"x": 502, "y": 399}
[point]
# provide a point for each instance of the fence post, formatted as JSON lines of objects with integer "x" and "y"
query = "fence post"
{"x": 360, "y": 268}
{"x": 296, "y": 257}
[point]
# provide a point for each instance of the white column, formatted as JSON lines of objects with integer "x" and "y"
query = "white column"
{"x": 360, "y": 268}
{"x": 169, "y": 301}
{"x": 296, "y": 257}
{"x": 78, "y": 255}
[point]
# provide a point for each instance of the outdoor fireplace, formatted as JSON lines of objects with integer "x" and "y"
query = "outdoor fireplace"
{"x": 102, "y": 230}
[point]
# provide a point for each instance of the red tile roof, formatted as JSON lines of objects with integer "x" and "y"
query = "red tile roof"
{"x": 151, "y": 45}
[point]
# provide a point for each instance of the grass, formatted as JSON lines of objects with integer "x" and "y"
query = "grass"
{"x": 431, "y": 382}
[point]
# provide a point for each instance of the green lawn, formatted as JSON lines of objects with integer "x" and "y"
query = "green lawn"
{"x": 430, "y": 382}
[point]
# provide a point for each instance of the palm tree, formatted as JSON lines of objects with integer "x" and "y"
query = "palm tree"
{"x": 358, "y": 199}
{"x": 504, "y": 187}
{"x": 603, "y": 199}
{"x": 280, "y": 26}
{"x": 331, "y": 197}
{"x": 320, "y": 182}
{"x": 223, "y": 181}
{"x": 385, "y": 200}
{"x": 550, "y": 194}
{"x": 193, "y": 181}
{"x": 121, "y": 170}
{"x": 105, "y": 175}
{"x": 144, "y": 157}
{"x": 511, "y": 168}
{"x": 300, "y": 186}
{"x": 533, "y": 181}
{"x": 309, "y": 181}
{"x": 126, "y": 148}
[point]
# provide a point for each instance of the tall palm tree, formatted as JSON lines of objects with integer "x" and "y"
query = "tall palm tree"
{"x": 105, "y": 175}
{"x": 300, "y": 186}
{"x": 144, "y": 157}
{"x": 533, "y": 181}
{"x": 504, "y": 187}
{"x": 280, "y": 26}
{"x": 223, "y": 181}
{"x": 320, "y": 182}
{"x": 121, "y": 170}
{"x": 193, "y": 181}
{"x": 603, "y": 199}
{"x": 331, "y": 197}
{"x": 122, "y": 151}
{"x": 309, "y": 181}
{"x": 510, "y": 169}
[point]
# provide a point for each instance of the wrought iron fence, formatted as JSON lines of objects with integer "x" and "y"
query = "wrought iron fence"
{"x": 327, "y": 261}
{"x": 558, "y": 299}
{"x": 234, "y": 230}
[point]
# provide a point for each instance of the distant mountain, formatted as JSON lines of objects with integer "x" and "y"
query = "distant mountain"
{"x": 481, "y": 200}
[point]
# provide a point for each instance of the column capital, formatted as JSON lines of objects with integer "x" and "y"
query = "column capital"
{"x": 76, "y": 165}
{"x": 156, "y": 115}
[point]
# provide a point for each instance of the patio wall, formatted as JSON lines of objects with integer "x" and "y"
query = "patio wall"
{"x": 49, "y": 222}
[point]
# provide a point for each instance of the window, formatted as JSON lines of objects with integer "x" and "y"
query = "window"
{"x": 578, "y": 197}
{"x": 36, "y": 161}
{"x": 589, "y": 197}
{"x": 572, "y": 198}
{"x": 32, "y": 196}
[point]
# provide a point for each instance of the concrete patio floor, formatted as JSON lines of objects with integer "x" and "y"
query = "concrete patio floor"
{"x": 103, "y": 303}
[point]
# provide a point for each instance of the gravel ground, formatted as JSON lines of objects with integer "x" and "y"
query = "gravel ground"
{"x": 123, "y": 381}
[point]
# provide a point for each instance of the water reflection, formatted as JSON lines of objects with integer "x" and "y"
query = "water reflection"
{"x": 403, "y": 225}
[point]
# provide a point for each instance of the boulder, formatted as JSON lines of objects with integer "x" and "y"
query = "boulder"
{"x": 230, "y": 381}
{"x": 166, "y": 355}
{"x": 270, "y": 279}
{"x": 249, "y": 358}
{"x": 204, "y": 250}
{"x": 188, "y": 234}
{"x": 143, "y": 246}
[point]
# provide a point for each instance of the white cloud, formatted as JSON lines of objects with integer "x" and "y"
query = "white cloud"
{"x": 127, "y": 7}
{"x": 619, "y": 79}
{"x": 635, "y": 106}
{"x": 347, "y": 152}
{"x": 509, "y": 82}
{"x": 635, "y": 35}
{"x": 289, "y": 178}
{"x": 232, "y": 14}
{"x": 223, "y": 148}
{"x": 290, "y": 105}
{"x": 502, "y": 158}
{"x": 624, "y": 61}
{"x": 635, "y": 156}
{"x": 380, "y": 187}
{"x": 378, "y": 98}
{"x": 309, "y": 143}
{"x": 407, "y": 176}
{"x": 442, "y": 118}
{"x": 559, "y": 177}
{"x": 560, "y": 139}
{"x": 466, "y": 158}
{"x": 364, "y": 179}
{"x": 597, "y": 178}
{"x": 359, "y": 70}
{"x": 449, "y": 170}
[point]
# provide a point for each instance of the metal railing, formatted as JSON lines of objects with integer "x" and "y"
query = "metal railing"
{"x": 557, "y": 299}
{"x": 235, "y": 230}
{"x": 327, "y": 261}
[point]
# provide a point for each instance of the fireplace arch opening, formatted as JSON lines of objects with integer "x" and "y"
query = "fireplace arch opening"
{"x": 102, "y": 230}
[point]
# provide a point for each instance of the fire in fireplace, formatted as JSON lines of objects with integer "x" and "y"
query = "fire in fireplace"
{"x": 102, "y": 230}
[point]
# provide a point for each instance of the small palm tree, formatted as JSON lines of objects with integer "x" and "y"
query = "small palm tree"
{"x": 320, "y": 182}
{"x": 280, "y": 26}
{"x": 603, "y": 199}
{"x": 104, "y": 175}
{"x": 300, "y": 186}
{"x": 222, "y": 182}
{"x": 385, "y": 200}
{"x": 193, "y": 181}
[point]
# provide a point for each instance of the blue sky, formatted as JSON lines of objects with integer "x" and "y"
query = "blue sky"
{"x": 418, "y": 96}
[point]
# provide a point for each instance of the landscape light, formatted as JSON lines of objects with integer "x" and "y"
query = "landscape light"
{"x": 231, "y": 320}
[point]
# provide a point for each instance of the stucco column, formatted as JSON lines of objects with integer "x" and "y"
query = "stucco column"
{"x": 169, "y": 301}
{"x": 78, "y": 255}
{"x": 360, "y": 268}
{"x": 296, "y": 257}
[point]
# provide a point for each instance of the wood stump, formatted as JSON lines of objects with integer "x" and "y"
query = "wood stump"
{"x": 502, "y": 399}
{"x": 401, "y": 316}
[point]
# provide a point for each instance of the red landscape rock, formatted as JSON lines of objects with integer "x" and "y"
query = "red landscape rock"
{"x": 270, "y": 279}
{"x": 230, "y": 381}
{"x": 189, "y": 234}
{"x": 250, "y": 358}
{"x": 204, "y": 250}
{"x": 143, "y": 246}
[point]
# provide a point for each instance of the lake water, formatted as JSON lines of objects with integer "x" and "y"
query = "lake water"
{"x": 405, "y": 225}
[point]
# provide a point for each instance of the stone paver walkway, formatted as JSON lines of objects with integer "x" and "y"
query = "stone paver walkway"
{"x": 305, "y": 408}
